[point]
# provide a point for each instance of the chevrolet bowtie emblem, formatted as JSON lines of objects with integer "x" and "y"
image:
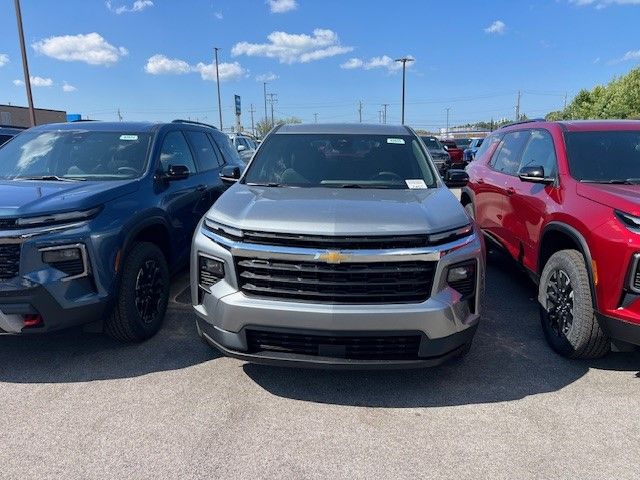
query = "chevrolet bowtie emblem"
{"x": 332, "y": 257}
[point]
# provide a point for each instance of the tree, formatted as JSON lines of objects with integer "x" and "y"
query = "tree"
{"x": 264, "y": 126}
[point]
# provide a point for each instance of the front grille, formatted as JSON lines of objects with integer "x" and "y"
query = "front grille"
{"x": 9, "y": 261}
{"x": 336, "y": 242}
{"x": 347, "y": 283}
{"x": 636, "y": 277}
{"x": 355, "y": 347}
{"x": 8, "y": 223}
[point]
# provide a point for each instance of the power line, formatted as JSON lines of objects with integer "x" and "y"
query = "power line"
{"x": 272, "y": 99}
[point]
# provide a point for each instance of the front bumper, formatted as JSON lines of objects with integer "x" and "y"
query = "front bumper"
{"x": 445, "y": 322}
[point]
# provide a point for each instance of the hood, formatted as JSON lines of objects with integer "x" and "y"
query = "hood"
{"x": 339, "y": 211}
{"x": 620, "y": 197}
{"x": 21, "y": 198}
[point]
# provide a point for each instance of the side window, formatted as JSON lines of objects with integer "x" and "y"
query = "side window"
{"x": 507, "y": 157}
{"x": 540, "y": 151}
{"x": 175, "y": 151}
{"x": 487, "y": 145}
{"x": 206, "y": 156}
{"x": 229, "y": 153}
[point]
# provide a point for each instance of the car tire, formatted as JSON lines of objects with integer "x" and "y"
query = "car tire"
{"x": 470, "y": 211}
{"x": 567, "y": 313}
{"x": 143, "y": 295}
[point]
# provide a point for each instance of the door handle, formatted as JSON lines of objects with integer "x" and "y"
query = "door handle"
{"x": 511, "y": 191}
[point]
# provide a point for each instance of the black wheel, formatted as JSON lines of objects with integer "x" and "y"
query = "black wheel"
{"x": 143, "y": 295}
{"x": 566, "y": 312}
{"x": 470, "y": 211}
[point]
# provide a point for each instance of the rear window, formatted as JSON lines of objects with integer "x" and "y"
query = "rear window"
{"x": 604, "y": 156}
{"x": 432, "y": 143}
{"x": 334, "y": 160}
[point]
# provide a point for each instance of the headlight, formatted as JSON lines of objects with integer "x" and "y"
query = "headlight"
{"x": 630, "y": 221}
{"x": 58, "y": 218}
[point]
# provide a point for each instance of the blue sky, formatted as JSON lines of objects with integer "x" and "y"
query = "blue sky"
{"x": 153, "y": 59}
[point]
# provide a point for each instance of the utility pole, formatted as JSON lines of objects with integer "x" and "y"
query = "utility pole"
{"x": 404, "y": 61}
{"x": 218, "y": 85}
{"x": 565, "y": 102}
{"x": 447, "y": 109}
{"x": 266, "y": 117}
{"x": 518, "y": 106}
{"x": 315, "y": 116}
{"x": 384, "y": 112}
{"x": 120, "y": 116}
{"x": 253, "y": 129}
{"x": 360, "y": 111}
{"x": 25, "y": 65}
{"x": 272, "y": 100}
{"x": 379, "y": 116}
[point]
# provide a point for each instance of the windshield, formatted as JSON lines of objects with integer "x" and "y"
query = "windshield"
{"x": 462, "y": 142}
{"x": 604, "y": 156}
{"x": 349, "y": 161}
{"x": 432, "y": 143}
{"x": 75, "y": 155}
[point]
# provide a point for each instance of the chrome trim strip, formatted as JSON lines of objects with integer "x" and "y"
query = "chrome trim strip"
{"x": 19, "y": 236}
{"x": 239, "y": 249}
{"x": 83, "y": 253}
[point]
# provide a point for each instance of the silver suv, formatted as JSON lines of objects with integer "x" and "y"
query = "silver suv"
{"x": 341, "y": 246}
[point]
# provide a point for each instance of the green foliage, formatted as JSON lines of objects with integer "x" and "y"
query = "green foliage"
{"x": 264, "y": 126}
{"x": 618, "y": 99}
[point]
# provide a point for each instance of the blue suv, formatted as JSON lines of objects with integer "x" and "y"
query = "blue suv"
{"x": 95, "y": 216}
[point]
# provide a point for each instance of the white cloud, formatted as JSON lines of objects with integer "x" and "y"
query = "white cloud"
{"x": 219, "y": 15}
{"x": 282, "y": 6}
{"x": 293, "y": 48}
{"x": 91, "y": 48}
{"x": 600, "y": 4}
{"x": 267, "y": 77}
{"x": 385, "y": 62}
{"x": 497, "y": 28}
{"x": 138, "y": 6}
{"x": 630, "y": 56}
{"x": 68, "y": 88}
{"x": 35, "y": 82}
{"x": 160, "y": 65}
{"x": 4, "y": 59}
{"x": 227, "y": 71}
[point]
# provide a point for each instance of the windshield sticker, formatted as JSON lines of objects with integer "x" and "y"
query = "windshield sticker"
{"x": 129, "y": 137}
{"x": 415, "y": 184}
{"x": 396, "y": 141}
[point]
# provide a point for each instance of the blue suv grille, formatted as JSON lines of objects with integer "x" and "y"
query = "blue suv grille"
{"x": 9, "y": 261}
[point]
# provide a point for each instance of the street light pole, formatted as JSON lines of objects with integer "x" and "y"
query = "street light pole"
{"x": 25, "y": 65}
{"x": 448, "y": 120}
{"x": 404, "y": 61}
{"x": 266, "y": 115}
{"x": 218, "y": 85}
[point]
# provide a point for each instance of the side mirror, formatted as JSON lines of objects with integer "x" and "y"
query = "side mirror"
{"x": 241, "y": 148}
{"x": 177, "y": 172}
{"x": 534, "y": 174}
{"x": 230, "y": 174}
{"x": 456, "y": 178}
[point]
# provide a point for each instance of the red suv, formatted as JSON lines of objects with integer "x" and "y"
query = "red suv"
{"x": 563, "y": 198}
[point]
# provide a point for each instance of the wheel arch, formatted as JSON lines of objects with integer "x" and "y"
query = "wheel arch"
{"x": 153, "y": 230}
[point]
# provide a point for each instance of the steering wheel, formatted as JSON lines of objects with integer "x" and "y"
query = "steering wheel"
{"x": 387, "y": 176}
{"x": 125, "y": 170}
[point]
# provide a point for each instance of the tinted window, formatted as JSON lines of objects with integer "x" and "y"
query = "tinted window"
{"x": 229, "y": 153}
{"x": 175, "y": 151}
{"x": 487, "y": 145}
{"x": 75, "y": 154}
{"x": 432, "y": 143}
{"x": 206, "y": 157}
{"x": 5, "y": 138}
{"x": 603, "y": 156}
{"x": 333, "y": 160}
{"x": 507, "y": 157}
{"x": 540, "y": 152}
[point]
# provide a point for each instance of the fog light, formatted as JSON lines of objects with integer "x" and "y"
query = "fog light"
{"x": 211, "y": 271}
{"x": 462, "y": 277}
{"x": 462, "y": 272}
{"x": 61, "y": 255}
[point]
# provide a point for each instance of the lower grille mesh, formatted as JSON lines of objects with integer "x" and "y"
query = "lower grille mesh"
{"x": 9, "y": 261}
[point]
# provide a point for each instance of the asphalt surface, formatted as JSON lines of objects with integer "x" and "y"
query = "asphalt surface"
{"x": 79, "y": 405}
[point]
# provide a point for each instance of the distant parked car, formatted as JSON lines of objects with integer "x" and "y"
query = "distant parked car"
{"x": 462, "y": 143}
{"x": 94, "y": 216}
{"x": 437, "y": 152}
{"x": 470, "y": 151}
{"x": 7, "y": 133}
{"x": 244, "y": 145}
{"x": 455, "y": 154}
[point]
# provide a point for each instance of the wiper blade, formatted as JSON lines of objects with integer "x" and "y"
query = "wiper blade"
{"x": 615, "y": 181}
{"x": 51, "y": 178}
{"x": 270, "y": 184}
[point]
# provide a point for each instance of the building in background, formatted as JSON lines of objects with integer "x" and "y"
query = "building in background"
{"x": 13, "y": 116}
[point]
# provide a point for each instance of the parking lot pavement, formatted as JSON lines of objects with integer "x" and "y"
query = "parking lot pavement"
{"x": 76, "y": 405}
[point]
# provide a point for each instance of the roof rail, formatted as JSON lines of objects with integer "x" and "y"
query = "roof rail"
{"x": 530, "y": 120}
{"x": 180, "y": 120}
